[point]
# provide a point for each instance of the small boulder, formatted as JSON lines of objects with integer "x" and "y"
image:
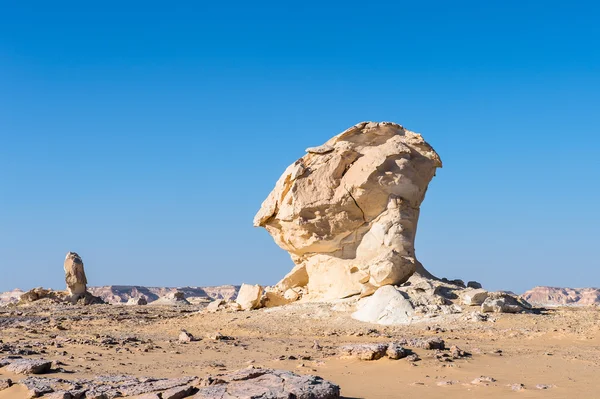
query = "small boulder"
{"x": 364, "y": 351}
{"x": 215, "y": 305}
{"x": 387, "y": 306}
{"x": 137, "y": 301}
{"x": 395, "y": 351}
{"x": 474, "y": 297}
{"x": 474, "y": 284}
{"x": 249, "y": 296}
{"x": 29, "y": 366}
{"x": 185, "y": 337}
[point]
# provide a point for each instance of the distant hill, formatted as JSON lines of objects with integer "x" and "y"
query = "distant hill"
{"x": 556, "y": 296}
{"x": 116, "y": 294}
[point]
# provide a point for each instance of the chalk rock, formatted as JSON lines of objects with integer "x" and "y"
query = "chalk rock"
{"x": 501, "y": 302}
{"x": 249, "y": 296}
{"x": 387, "y": 306}
{"x": 347, "y": 211}
{"x": 75, "y": 275}
{"x": 172, "y": 298}
{"x": 137, "y": 301}
{"x": 474, "y": 297}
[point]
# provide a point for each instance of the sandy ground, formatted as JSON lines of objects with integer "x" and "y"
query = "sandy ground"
{"x": 558, "y": 348}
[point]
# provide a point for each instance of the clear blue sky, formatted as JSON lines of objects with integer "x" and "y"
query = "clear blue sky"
{"x": 145, "y": 135}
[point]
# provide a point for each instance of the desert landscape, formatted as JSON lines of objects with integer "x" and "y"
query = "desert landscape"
{"x": 358, "y": 316}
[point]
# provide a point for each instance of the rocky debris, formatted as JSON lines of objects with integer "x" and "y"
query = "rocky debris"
{"x": 474, "y": 297}
{"x": 395, "y": 351}
{"x": 364, "y": 351}
{"x": 219, "y": 337}
{"x": 502, "y": 302}
{"x": 137, "y": 301}
{"x": 483, "y": 380}
{"x": 105, "y": 387}
{"x": 5, "y": 383}
{"x": 29, "y": 366}
{"x": 249, "y": 296}
{"x": 425, "y": 343}
{"x": 75, "y": 275}
{"x": 172, "y": 299}
{"x": 517, "y": 387}
{"x": 119, "y": 294}
{"x": 544, "y": 386}
{"x": 474, "y": 284}
{"x": 387, "y": 306}
{"x": 348, "y": 216}
{"x": 185, "y": 337}
{"x": 445, "y": 383}
{"x": 215, "y": 305}
{"x": 266, "y": 383}
{"x": 555, "y": 296}
{"x": 458, "y": 353}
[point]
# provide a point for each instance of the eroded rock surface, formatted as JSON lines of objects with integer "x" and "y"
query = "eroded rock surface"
{"x": 347, "y": 211}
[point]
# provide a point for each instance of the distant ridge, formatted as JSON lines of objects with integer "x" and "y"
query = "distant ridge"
{"x": 116, "y": 294}
{"x": 557, "y": 296}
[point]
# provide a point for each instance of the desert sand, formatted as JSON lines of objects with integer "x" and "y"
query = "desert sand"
{"x": 557, "y": 350}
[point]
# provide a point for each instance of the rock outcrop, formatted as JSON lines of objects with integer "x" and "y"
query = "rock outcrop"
{"x": 75, "y": 275}
{"x": 347, "y": 211}
{"x": 554, "y": 296}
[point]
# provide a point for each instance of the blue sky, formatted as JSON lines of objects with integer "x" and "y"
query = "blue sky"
{"x": 145, "y": 135}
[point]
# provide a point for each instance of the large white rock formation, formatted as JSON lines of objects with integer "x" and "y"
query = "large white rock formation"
{"x": 347, "y": 211}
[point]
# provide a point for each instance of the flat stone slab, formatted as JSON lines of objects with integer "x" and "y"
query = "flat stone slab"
{"x": 29, "y": 366}
{"x": 267, "y": 384}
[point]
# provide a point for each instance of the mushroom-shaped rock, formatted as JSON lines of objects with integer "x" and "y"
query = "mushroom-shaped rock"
{"x": 347, "y": 211}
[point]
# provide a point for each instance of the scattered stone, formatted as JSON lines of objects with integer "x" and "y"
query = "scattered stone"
{"x": 266, "y": 383}
{"x": 5, "y": 383}
{"x": 474, "y": 297}
{"x": 249, "y": 296}
{"x": 29, "y": 366}
{"x": 457, "y": 353}
{"x": 445, "y": 383}
{"x": 543, "y": 386}
{"x": 413, "y": 358}
{"x": 215, "y": 305}
{"x": 138, "y": 301}
{"x": 185, "y": 337}
{"x": 396, "y": 351}
{"x": 364, "y": 351}
{"x": 220, "y": 337}
{"x": 483, "y": 380}
{"x": 517, "y": 387}
{"x": 426, "y": 343}
{"x": 387, "y": 306}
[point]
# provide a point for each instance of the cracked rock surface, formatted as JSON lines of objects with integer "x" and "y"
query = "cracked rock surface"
{"x": 348, "y": 215}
